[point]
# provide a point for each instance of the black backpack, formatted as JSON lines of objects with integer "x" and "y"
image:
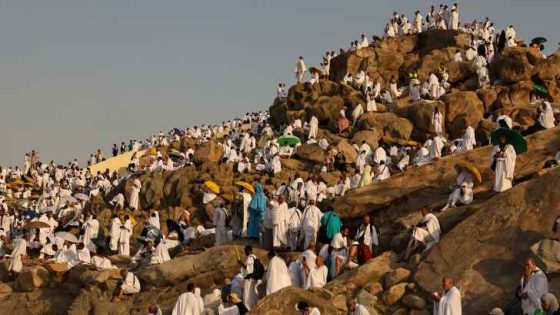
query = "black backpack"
{"x": 258, "y": 270}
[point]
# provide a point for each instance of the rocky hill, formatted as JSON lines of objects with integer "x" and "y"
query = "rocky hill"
{"x": 483, "y": 245}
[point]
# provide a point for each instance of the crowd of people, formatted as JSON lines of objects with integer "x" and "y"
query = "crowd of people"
{"x": 54, "y": 222}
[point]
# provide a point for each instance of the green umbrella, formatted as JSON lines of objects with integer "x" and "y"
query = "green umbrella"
{"x": 513, "y": 137}
{"x": 539, "y": 88}
{"x": 288, "y": 140}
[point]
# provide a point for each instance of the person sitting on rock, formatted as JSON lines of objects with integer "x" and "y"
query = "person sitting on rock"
{"x": 463, "y": 193}
{"x": 129, "y": 286}
{"x": 427, "y": 232}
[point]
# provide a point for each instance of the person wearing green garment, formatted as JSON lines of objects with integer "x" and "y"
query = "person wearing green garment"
{"x": 330, "y": 225}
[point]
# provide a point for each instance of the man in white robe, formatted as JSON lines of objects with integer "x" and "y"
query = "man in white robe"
{"x": 379, "y": 155}
{"x": 19, "y": 251}
{"x": 436, "y": 147}
{"x": 382, "y": 172}
{"x": 316, "y": 273}
{"x": 188, "y": 303}
{"x": 533, "y": 285}
{"x": 448, "y": 302}
{"x": 546, "y": 116}
{"x": 502, "y": 159}
{"x": 356, "y": 309}
{"x": 313, "y": 127}
{"x": 219, "y": 220}
{"x": 300, "y": 70}
{"x": 469, "y": 139}
{"x": 247, "y": 268}
{"x": 134, "y": 200}
{"x": 275, "y": 164}
{"x": 294, "y": 228}
{"x": 277, "y": 276}
{"x": 124, "y": 237}
{"x": 280, "y": 218}
{"x": 130, "y": 285}
{"x": 311, "y": 221}
{"x": 91, "y": 230}
{"x": 426, "y": 233}
{"x": 115, "y": 232}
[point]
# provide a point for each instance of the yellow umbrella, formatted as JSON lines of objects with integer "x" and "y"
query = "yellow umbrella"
{"x": 246, "y": 185}
{"x": 212, "y": 186}
{"x": 469, "y": 168}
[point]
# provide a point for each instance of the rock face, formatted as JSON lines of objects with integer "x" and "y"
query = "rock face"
{"x": 494, "y": 244}
{"x": 205, "y": 270}
{"x": 31, "y": 278}
{"x": 285, "y": 300}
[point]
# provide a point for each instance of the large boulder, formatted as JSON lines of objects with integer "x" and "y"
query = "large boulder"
{"x": 548, "y": 251}
{"x": 420, "y": 114}
{"x": 514, "y": 64}
{"x": 393, "y": 128}
{"x": 284, "y": 302}
{"x": 327, "y": 110}
{"x": 494, "y": 244}
{"x": 372, "y": 271}
{"x": 208, "y": 152}
{"x": 31, "y": 278}
{"x": 461, "y": 107}
{"x": 347, "y": 150}
{"x": 311, "y": 153}
{"x": 207, "y": 269}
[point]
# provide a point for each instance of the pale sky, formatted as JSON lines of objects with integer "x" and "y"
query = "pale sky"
{"x": 77, "y": 75}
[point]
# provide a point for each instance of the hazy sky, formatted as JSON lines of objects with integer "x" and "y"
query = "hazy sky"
{"x": 77, "y": 75}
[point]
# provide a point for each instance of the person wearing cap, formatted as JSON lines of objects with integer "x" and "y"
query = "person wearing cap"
{"x": 304, "y": 309}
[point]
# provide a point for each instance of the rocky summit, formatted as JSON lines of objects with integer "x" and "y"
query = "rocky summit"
{"x": 484, "y": 242}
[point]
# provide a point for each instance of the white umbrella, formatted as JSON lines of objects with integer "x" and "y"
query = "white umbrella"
{"x": 49, "y": 209}
{"x": 82, "y": 197}
{"x": 69, "y": 199}
{"x": 67, "y": 236}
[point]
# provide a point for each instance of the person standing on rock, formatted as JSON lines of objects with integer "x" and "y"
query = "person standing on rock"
{"x": 124, "y": 236}
{"x": 448, "y": 302}
{"x": 532, "y": 286}
{"x": 437, "y": 121}
{"x": 368, "y": 234}
{"x": 219, "y": 220}
{"x": 280, "y": 221}
{"x": 134, "y": 199}
{"x": 247, "y": 269}
{"x": 469, "y": 139}
{"x": 17, "y": 255}
{"x": 277, "y": 276}
{"x": 502, "y": 160}
{"x": 256, "y": 209}
{"x": 311, "y": 221}
{"x": 187, "y": 303}
{"x": 313, "y": 127}
{"x": 300, "y": 70}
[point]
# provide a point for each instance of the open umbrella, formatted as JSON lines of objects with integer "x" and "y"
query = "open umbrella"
{"x": 67, "y": 236}
{"x": 36, "y": 225}
{"x": 82, "y": 197}
{"x": 288, "y": 140}
{"x": 513, "y": 137}
{"x": 246, "y": 185}
{"x": 212, "y": 186}
{"x": 469, "y": 168}
{"x": 48, "y": 209}
{"x": 539, "y": 40}
{"x": 174, "y": 153}
{"x": 540, "y": 88}
{"x": 69, "y": 199}
{"x": 29, "y": 214}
